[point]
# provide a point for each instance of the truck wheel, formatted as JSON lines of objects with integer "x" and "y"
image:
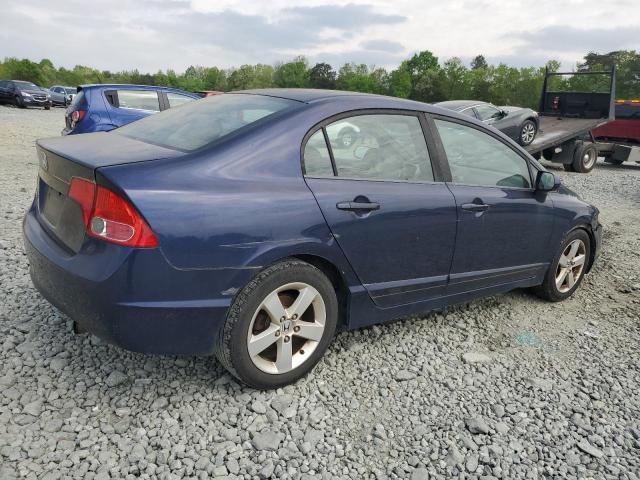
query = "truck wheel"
{"x": 568, "y": 167}
{"x": 585, "y": 157}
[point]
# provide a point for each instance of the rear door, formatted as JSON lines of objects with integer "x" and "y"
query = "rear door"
{"x": 380, "y": 194}
{"x": 504, "y": 225}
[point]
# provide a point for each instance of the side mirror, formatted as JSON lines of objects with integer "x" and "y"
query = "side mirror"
{"x": 547, "y": 181}
{"x": 504, "y": 113}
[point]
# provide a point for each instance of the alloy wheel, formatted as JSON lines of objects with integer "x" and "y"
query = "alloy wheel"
{"x": 589, "y": 158}
{"x": 286, "y": 328}
{"x": 528, "y": 133}
{"x": 571, "y": 265}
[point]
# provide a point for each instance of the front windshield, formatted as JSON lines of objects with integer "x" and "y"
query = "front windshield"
{"x": 196, "y": 124}
{"x": 27, "y": 86}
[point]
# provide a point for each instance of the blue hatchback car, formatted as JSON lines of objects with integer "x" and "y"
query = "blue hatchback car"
{"x": 100, "y": 108}
{"x": 252, "y": 224}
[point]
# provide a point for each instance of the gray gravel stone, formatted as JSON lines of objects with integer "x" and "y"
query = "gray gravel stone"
{"x": 267, "y": 440}
{"x": 476, "y": 357}
{"x": 115, "y": 378}
{"x": 420, "y": 474}
{"x": 476, "y": 425}
{"x": 586, "y": 447}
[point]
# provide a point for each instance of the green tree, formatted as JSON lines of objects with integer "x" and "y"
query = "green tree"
{"x": 322, "y": 75}
{"x": 294, "y": 74}
{"x": 479, "y": 62}
{"x": 400, "y": 82}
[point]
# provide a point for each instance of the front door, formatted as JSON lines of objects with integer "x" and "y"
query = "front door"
{"x": 504, "y": 225}
{"x": 376, "y": 188}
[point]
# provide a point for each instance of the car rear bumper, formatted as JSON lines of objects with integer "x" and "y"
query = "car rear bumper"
{"x": 129, "y": 297}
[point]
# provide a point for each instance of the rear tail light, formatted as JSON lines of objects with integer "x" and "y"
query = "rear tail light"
{"x": 77, "y": 116}
{"x": 110, "y": 217}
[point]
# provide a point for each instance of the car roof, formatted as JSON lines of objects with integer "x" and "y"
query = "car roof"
{"x": 458, "y": 105}
{"x": 311, "y": 95}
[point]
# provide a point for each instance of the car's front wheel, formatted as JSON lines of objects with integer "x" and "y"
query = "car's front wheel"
{"x": 279, "y": 325}
{"x": 568, "y": 267}
{"x": 18, "y": 102}
{"x": 528, "y": 131}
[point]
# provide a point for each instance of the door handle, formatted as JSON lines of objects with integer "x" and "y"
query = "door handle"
{"x": 475, "y": 207}
{"x": 358, "y": 206}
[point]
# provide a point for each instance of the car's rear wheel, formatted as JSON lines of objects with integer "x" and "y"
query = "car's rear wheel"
{"x": 568, "y": 268}
{"x": 279, "y": 325}
{"x": 528, "y": 131}
{"x": 585, "y": 157}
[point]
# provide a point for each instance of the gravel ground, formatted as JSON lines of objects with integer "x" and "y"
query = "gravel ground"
{"x": 508, "y": 387}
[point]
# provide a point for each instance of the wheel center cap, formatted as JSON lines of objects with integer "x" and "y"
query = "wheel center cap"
{"x": 286, "y": 326}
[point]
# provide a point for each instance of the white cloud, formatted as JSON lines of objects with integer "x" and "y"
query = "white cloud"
{"x": 159, "y": 34}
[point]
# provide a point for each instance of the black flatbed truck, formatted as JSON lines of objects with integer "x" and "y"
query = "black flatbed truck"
{"x": 566, "y": 120}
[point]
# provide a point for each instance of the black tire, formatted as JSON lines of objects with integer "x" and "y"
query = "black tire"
{"x": 47, "y": 107}
{"x": 18, "y": 102}
{"x": 346, "y": 137}
{"x": 585, "y": 157}
{"x": 528, "y": 132}
{"x": 549, "y": 290}
{"x": 568, "y": 167}
{"x": 231, "y": 347}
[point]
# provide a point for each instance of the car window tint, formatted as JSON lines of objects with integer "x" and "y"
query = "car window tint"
{"x": 476, "y": 158}
{"x": 486, "y": 112}
{"x": 317, "y": 162}
{"x": 197, "y": 124}
{"x": 380, "y": 147}
{"x": 175, "y": 99}
{"x": 139, "y": 99}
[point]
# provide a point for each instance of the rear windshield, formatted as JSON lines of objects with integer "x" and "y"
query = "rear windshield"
{"x": 78, "y": 99}
{"x": 70, "y": 91}
{"x": 196, "y": 124}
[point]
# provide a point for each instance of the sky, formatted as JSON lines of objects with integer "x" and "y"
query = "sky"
{"x": 159, "y": 34}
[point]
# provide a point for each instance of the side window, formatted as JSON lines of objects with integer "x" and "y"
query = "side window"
{"x": 476, "y": 158}
{"x": 317, "y": 162}
{"x": 380, "y": 147}
{"x": 487, "y": 112}
{"x": 139, "y": 99}
{"x": 175, "y": 99}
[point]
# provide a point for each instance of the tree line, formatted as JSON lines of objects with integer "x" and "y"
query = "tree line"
{"x": 422, "y": 77}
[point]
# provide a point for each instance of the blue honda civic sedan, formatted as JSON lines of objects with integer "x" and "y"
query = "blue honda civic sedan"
{"x": 250, "y": 225}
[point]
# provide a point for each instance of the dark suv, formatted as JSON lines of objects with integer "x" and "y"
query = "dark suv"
{"x": 24, "y": 94}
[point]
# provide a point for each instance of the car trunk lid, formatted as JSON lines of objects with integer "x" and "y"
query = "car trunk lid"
{"x": 80, "y": 156}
